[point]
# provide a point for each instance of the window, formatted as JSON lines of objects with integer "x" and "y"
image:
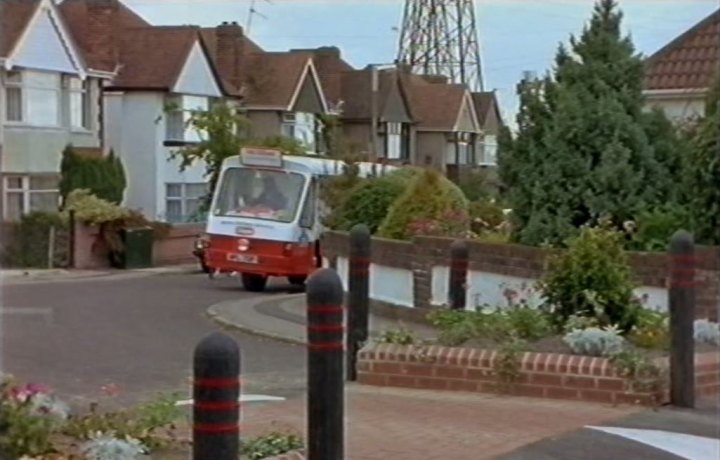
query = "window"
{"x": 177, "y": 119}
{"x": 33, "y": 98}
{"x": 183, "y": 202}
{"x": 79, "y": 103}
{"x": 307, "y": 218}
{"x": 393, "y": 148}
{"x": 489, "y": 151}
{"x": 24, "y": 194}
{"x": 300, "y": 126}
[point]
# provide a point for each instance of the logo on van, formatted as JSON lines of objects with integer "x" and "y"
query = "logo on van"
{"x": 244, "y": 231}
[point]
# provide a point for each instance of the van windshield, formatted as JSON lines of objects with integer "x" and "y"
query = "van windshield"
{"x": 259, "y": 194}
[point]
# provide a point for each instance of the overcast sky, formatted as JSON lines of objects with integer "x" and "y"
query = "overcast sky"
{"x": 515, "y": 35}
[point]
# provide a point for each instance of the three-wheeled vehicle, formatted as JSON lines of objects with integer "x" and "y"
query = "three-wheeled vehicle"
{"x": 265, "y": 217}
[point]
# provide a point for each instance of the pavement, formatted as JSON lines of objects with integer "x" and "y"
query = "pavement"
{"x": 24, "y": 276}
{"x": 284, "y": 318}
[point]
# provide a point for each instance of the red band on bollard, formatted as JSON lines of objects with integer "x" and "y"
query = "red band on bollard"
{"x": 216, "y": 428}
{"x": 683, "y": 283}
{"x": 217, "y": 383}
{"x": 217, "y": 406}
{"x": 326, "y": 346}
{"x": 685, "y": 258}
{"x": 326, "y": 327}
{"x": 326, "y": 309}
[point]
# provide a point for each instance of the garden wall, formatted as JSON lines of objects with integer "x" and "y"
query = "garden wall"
{"x": 175, "y": 248}
{"x": 415, "y": 274}
{"x": 545, "y": 375}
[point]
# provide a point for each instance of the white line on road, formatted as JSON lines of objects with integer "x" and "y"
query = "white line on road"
{"x": 683, "y": 445}
{"x": 243, "y": 398}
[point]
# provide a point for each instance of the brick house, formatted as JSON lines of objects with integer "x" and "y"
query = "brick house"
{"x": 51, "y": 92}
{"x": 677, "y": 76}
{"x": 281, "y": 92}
{"x": 163, "y": 74}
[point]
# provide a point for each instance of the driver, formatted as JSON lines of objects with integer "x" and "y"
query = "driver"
{"x": 271, "y": 196}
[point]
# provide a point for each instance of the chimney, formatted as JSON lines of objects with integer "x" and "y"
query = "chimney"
{"x": 102, "y": 33}
{"x": 229, "y": 50}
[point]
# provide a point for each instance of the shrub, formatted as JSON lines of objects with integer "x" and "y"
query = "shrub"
{"x": 707, "y": 332}
{"x": 654, "y": 227}
{"x": 103, "y": 176}
{"x": 401, "y": 336}
{"x": 31, "y": 238}
{"x": 271, "y": 445}
{"x": 592, "y": 278}
{"x": 428, "y": 198}
{"x": 651, "y": 330}
{"x": 368, "y": 202}
{"x": 485, "y": 216}
{"x": 595, "y": 341}
{"x": 528, "y": 323}
{"x": 478, "y": 184}
{"x": 105, "y": 446}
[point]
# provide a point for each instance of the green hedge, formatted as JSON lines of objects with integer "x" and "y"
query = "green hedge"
{"x": 103, "y": 176}
{"x": 27, "y": 245}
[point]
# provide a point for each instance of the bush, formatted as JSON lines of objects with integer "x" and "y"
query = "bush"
{"x": 369, "y": 201}
{"x": 478, "y": 184}
{"x": 29, "y": 246}
{"x": 595, "y": 341}
{"x": 428, "y": 201}
{"x": 651, "y": 331}
{"x": 271, "y": 445}
{"x": 655, "y": 227}
{"x": 104, "y": 176}
{"x": 592, "y": 278}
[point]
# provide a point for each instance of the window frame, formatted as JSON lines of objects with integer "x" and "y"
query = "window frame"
{"x": 25, "y": 88}
{"x": 26, "y": 191}
{"x": 85, "y": 105}
{"x": 183, "y": 198}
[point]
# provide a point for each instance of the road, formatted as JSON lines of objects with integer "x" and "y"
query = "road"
{"x": 138, "y": 333}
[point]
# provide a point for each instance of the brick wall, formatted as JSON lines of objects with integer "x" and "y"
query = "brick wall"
{"x": 177, "y": 247}
{"x": 543, "y": 375}
{"x": 649, "y": 269}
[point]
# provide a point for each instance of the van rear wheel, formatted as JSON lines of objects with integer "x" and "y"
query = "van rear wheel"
{"x": 254, "y": 283}
{"x": 297, "y": 280}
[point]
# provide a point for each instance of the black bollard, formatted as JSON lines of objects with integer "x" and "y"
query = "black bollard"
{"x": 682, "y": 316}
{"x": 358, "y": 295}
{"x": 326, "y": 392}
{"x": 458, "y": 275}
{"x": 216, "y": 407}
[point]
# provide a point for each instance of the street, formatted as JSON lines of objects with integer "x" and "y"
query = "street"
{"x": 138, "y": 333}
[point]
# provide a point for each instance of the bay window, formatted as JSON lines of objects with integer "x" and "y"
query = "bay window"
{"x": 183, "y": 201}
{"x": 32, "y": 98}
{"x": 300, "y": 126}
{"x": 489, "y": 151}
{"x": 79, "y": 103}
{"x": 459, "y": 149}
{"x": 24, "y": 194}
{"x": 178, "y": 126}
{"x": 394, "y": 141}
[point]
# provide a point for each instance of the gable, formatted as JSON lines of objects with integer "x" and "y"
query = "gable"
{"x": 196, "y": 76}
{"x": 467, "y": 121}
{"x": 308, "y": 98}
{"x": 45, "y": 45}
{"x": 395, "y": 109}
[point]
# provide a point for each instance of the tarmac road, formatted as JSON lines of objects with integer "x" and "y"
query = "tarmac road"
{"x": 138, "y": 333}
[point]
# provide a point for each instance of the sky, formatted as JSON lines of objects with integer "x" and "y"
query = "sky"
{"x": 515, "y": 35}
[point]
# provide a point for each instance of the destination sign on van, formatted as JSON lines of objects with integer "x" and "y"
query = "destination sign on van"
{"x": 261, "y": 157}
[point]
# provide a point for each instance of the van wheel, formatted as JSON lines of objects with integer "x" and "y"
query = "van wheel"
{"x": 254, "y": 283}
{"x": 297, "y": 280}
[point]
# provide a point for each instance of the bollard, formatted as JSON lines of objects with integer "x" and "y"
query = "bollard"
{"x": 682, "y": 316}
{"x": 216, "y": 396}
{"x": 457, "y": 290}
{"x": 358, "y": 296}
{"x": 326, "y": 398}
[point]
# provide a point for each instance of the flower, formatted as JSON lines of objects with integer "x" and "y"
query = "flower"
{"x": 110, "y": 389}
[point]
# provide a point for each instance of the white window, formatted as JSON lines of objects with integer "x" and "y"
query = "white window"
{"x": 394, "y": 141}
{"x": 79, "y": 103}
{"x": 300, "y": 126}
{"x": 183, "y": 201}
{"x": 489, "y": 151}
{"x": 177, "y": 120}
{"x": 24, "y": 194}
{"x": 33, "y": 98}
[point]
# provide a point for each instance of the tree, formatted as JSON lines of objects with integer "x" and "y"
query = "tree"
{"x": 703, "y": 172}
{"x": 582, "y": 152}
{"x": 104, "y": 177}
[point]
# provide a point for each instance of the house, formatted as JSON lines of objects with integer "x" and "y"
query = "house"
{"x": 281, "y": 91}
{"x": 163, "y": 74}
{"x": 447, "y": 125}
{"x": 487, "y": 109}
{"x": 51, "y": 93}
{"x": 678, "y": 76}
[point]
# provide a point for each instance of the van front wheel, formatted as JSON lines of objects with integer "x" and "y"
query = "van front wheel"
{"x": 254, "y": 283}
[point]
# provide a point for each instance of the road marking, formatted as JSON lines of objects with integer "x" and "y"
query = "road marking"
{"x": 242, "y": 399}
{"x": 683, "y": 445}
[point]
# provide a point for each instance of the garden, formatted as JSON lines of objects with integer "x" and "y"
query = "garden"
{"x": 35, "y": 424}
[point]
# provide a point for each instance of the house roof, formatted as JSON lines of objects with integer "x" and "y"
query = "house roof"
{"x": 356, "y": 93}
{"x": 272, "y": 79}
{"x": 330, "y": 67}
{"x": 77, "y": 17}
{"x": 484, "y": 103}
{"x": 691, "y": 61}
{"x": 153, "y": 57}
{"x": 209, "y": 34}
{"x": 436, "y": 106}
{"x": 14, "y": 18}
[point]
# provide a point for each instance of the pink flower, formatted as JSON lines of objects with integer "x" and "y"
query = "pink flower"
{"x": 111, "y": 390}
